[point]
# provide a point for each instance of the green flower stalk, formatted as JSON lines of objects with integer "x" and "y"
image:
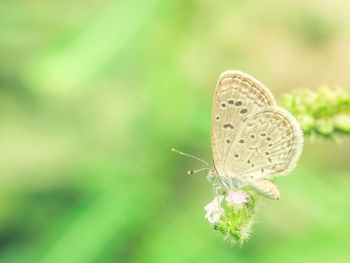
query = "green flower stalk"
{"x": 324, "y": 112}
{"x": 234, "y": 218}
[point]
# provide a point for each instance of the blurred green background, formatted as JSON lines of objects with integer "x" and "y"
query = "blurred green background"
{"x": 95, "y": 93}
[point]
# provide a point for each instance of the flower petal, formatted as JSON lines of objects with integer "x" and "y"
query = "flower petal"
{"x": 214, "y": 210}
{"x": 236, "y": 197}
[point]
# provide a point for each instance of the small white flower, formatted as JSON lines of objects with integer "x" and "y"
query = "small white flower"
{"x": 214, "y": 210}
{"x": 236, "y": 198}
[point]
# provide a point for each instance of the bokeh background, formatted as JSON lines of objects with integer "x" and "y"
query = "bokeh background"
{"x": 95, "y": 93}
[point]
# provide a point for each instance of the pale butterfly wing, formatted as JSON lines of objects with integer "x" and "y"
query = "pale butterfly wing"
{"x": 237, "y": 95}
{"x": 268, "y": 144}
{"x": 253, "y": 140}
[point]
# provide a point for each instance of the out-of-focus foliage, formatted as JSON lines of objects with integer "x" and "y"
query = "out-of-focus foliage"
{"x": 325, "y": 112}
{"x": 94, "y": 94}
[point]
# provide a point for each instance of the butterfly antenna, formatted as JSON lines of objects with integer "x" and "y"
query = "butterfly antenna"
{"x": 197, "y": 171}
{"x": 191, "y": 156}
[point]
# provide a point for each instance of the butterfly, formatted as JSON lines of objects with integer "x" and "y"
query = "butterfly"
{"x": 253, "y": 140}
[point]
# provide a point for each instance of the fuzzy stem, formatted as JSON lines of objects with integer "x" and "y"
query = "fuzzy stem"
{"x": 237, "y": 222}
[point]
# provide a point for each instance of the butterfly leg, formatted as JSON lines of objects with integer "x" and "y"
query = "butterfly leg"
{"x": 216, "y": 191}
{"x": 266, "y": 188}
{"x": 226, "y": 184}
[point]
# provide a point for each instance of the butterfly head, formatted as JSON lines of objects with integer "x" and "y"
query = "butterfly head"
{"x": 212, "y": 175}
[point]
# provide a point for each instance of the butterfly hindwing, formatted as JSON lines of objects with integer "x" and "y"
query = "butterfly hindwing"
{"x": 268, "y": 144}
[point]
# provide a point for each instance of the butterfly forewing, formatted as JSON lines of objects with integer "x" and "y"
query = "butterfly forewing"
{"x": 237, "y": 96}
{"x": 267, "y": 144}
